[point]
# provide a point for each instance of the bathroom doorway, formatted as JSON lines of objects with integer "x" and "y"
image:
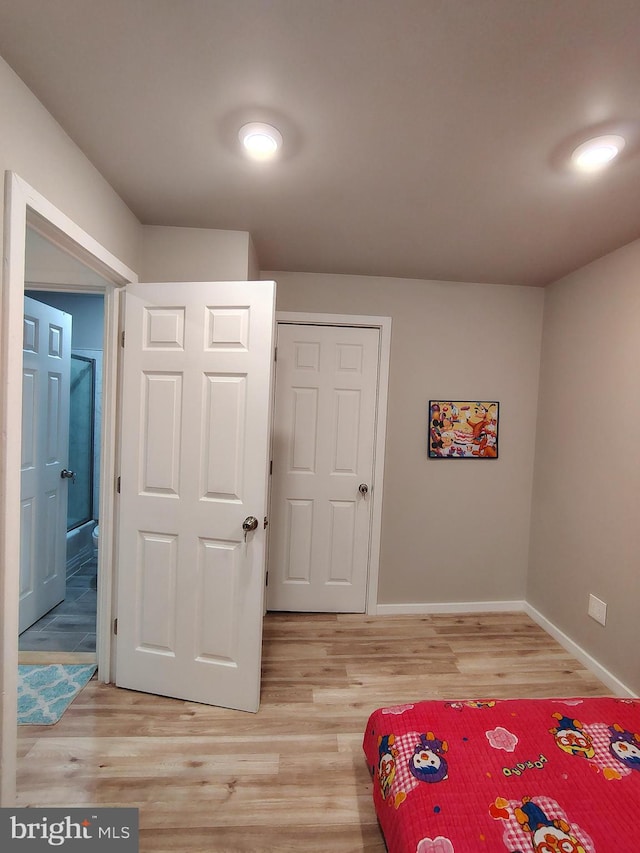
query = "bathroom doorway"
{"x": 69, "y": 629}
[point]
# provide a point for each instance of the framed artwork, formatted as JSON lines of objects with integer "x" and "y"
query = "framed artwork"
{"x": 463, "y": 429}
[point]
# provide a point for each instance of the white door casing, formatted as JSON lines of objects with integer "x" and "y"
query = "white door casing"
{"x": 198, "y": 364}
{"x": 323, "y": 452}
{"x": 24, "y": 206}
{"x": 45, "y": 447}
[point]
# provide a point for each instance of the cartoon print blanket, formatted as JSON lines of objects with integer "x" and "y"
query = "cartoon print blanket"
{"x": 515, "y": 775}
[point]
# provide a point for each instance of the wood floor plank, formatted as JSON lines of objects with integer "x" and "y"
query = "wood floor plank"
{"x": 25, "y": 657}
{"x": 291, "y": 778}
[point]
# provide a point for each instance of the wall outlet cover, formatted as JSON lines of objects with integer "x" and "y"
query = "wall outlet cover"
{"x": 597, "y": 609}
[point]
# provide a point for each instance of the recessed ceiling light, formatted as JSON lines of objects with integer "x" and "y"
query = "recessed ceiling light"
{"x": 260, "y": 141}
{"x": 597, "y": 153}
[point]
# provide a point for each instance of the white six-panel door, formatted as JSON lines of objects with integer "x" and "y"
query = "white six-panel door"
{"x": 198, "y": 362}
{"x": 46, "y": 364}
{"x": 323, "y": 452}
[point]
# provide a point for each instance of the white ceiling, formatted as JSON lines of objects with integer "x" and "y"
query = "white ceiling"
{"x": 423, "y": 138}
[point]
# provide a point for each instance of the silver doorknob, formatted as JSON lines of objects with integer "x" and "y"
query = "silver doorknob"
{"x": 68, "y": 475}
{"x": 250, "y": 523}
{"x": 363, "y": 489}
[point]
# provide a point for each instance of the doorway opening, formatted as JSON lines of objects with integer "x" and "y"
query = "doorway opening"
{"x": 25, "y": 209}
{"x": 67, "y": 631}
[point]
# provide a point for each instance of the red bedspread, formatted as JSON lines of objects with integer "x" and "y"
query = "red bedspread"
{"x": 521, "y": 775}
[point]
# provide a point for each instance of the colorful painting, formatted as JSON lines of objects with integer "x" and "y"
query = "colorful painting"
{"x": 463, "y": 429}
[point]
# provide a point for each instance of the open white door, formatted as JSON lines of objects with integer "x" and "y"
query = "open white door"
{"x": 197, "y": 372}
{"x": 45, "y": 447}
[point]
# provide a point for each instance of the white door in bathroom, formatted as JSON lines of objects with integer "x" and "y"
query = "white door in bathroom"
{"x": 197, "y": 373}
{"x": 46, "y": 364}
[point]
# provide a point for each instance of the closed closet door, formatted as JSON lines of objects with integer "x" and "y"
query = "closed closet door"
{"x": 323, "y": 455}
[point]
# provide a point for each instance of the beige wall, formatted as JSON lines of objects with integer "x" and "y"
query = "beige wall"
{"x": 585, "y": 519}
{"x": 195, "y": 254}
{"x": 254, "y": 262}
{"x": 34, "y": 146}
{"x": 452, "y": 531}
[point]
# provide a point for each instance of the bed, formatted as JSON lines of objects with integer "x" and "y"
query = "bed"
{"x": 516, "y": 775}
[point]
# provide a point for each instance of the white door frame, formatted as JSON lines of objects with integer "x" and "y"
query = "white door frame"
{"x": 384, "y": 353}
{"x": 24, "y": 206}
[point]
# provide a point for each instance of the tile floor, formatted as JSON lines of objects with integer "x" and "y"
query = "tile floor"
{"x": 71, "y": 626}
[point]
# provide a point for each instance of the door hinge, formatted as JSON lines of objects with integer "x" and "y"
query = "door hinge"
{"x": 115, "y": 626}
{"x": 118, "y": 483}
{"x": 271, "y": 467}
{"x": 122, "y": 340}
{"x": 266, "y": 523}
{"x": 266, "y": 579}
{"x": 275, "y": 354}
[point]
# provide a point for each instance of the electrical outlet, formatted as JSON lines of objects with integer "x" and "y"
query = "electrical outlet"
{"x": 597, "y": 610}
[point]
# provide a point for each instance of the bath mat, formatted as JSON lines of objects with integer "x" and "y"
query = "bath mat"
{"x": 46, "y": 691}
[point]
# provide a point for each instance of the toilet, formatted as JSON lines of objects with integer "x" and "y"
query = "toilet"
{"x": 94, "y": 539}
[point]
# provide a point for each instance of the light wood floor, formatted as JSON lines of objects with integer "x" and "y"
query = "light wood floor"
{"x": 291, "y": 777}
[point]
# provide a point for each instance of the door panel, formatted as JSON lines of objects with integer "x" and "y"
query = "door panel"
{"x": 323, "y": 443}
{"x": 45, "y": 444}
{"x": 195, "y": 449}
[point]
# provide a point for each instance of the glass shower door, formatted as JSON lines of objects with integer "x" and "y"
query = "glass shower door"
{"x": 81, "y": 441}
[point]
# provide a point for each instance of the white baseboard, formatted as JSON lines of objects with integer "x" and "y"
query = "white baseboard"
{"x": 422, "y": 608}
{"x": 450, "y": 607}
{"x": 613, "y": 683}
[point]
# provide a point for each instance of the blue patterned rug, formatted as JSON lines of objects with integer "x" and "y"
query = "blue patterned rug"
{"x": 46, "y": 691}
